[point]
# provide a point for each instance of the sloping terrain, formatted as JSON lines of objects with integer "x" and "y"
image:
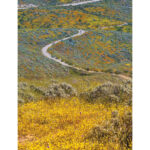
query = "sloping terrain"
{"x": 99, "y": 51}
{"x": 84, "y": 102}
{"x": 32, "y": 64}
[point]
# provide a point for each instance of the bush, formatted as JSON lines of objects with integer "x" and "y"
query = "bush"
{"x": 37, "y": 90}
{"x": 98, "y": 133}
{"x": 22, "y": 85}
{"x": 20, "y": 101}
{"x": 117, "y": 72}
{"x": 114, "y": 98}
{"x": 129, "y": 81}
{"x": 117, "y": 129}
{"x": 108, "y": 92}
{"x": 125, "y": 134}
{"x": 109, "y": 71}
{"x": 60, "y": 91}
{"x": 25, "y": 97}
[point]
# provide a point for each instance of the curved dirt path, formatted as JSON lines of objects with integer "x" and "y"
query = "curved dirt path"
{"x": 48, "y": 55}
{"x": 80, "y": 32}
{"x": 80, "y": 3}
{"x": 27, "y": 6}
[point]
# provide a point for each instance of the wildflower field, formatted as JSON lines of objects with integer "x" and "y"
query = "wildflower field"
{"x": 73, "y": 124}
{"x": 97, "y": 50}
{"x": 31, "y": 63}
{"x": 80, "y": 97}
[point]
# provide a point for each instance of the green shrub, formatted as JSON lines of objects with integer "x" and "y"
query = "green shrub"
{"x": 60, "y": 91}
{"x": 37, "y": 90}
{"x": 118, "y": 129}
{"x": 98, "y": 133}
{"x": 22, "y": 85}
{"x": 108, "y": 92}
{"x": 25, "y": 97}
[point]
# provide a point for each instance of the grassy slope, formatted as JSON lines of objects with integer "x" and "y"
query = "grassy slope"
{"x": 63, "y": 18}
{"x": 32, "y": 64}
{"x": 86, "y": 17}
{"x": 101, "y": 50}
{"x": 114, "y": 53}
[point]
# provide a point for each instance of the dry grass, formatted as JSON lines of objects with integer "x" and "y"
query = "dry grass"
{"x": 65, "y": 124}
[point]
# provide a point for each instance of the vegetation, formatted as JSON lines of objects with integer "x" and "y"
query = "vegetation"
{"x": 109, "y": 92}
{"x": 35, "y": 90}
{"x": 31, "y": 63}
{"x": 74, "y": 124}
{"x": 97, "y": 51}
{"x": 60, "y": 91}
{"x": 65, "y": 108}
{"x": 46, "y": 2}
{"x": 39, "y": 18}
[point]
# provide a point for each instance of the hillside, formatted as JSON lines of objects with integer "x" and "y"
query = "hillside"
{"x": 99, "y": 51}
{"x": 77, "y": 94}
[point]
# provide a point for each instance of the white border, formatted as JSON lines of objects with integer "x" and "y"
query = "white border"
{"x": 141, "y": 67}
{"x": 8, "y": 75}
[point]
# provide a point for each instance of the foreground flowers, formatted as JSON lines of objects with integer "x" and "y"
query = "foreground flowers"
{"x": 74, "y": 124}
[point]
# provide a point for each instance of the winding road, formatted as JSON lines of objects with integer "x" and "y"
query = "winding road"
{"x": 80, "y": 32}
{"x": 80, "y": 3}
{"x": 48, "y": 55}
{"x": 27, "y": 6}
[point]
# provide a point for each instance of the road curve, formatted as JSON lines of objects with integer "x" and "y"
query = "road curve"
{"x": 27, "y": 6}
{"x": 48, "y": 55}
{"x": 80, "y": 32}
{"x": 80, "y": 3}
